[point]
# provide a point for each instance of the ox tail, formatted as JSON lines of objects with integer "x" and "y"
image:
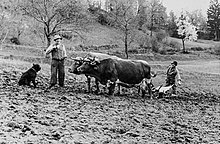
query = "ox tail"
{"x": 153, "y": 74}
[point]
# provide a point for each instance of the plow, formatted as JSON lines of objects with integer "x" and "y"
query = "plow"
{"x": 184, "y": 93}
{"x": 162, "y": 91}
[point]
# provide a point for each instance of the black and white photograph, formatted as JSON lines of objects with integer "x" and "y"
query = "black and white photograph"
{"x": 109, "y": 71}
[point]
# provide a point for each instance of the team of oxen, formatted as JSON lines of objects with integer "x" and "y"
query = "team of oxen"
{"x": 111, "y": 71}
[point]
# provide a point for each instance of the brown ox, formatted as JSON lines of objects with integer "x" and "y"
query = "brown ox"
{"x": 78, "y": 61}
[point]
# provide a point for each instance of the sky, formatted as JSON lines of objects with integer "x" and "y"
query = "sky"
{"x": 186, "y": 5}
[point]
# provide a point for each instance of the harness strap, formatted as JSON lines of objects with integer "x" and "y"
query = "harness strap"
{"x": 33, "y": 69}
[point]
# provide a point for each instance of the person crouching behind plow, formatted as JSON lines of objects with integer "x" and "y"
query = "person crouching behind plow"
{"x": 173, "y": 76}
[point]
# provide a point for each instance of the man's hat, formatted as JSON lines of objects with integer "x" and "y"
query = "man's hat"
{"x": 174, "y": 62}
{"x": 57, "y": 37}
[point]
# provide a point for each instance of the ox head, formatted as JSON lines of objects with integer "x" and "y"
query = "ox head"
{"x": 90, "y": 63}
{"x": 78, "y": 61}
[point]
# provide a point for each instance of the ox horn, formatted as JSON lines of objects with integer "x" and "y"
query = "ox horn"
{"x": 95, "y": 61}
{"x": 90, "y": 58}
{"x": 76, "y": 58}
{"x": 86, "y": 60}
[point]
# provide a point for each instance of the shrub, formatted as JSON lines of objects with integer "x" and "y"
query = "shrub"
{"x": 214, "y": 50}
{"x": 163, "y": 52}
{"x": 102, "y": 19}
{"x": 143, "y": 40}
{"x": 217, "y": 51}
{"x": 133, "y": 51}
{"x": 161, "y": 35}
{"x": 197, "y": 49}
{"x": 147, "y": 42}
{"x": 186, "y": 52}
{"x": 173, "y": 44}
{"x": 154, "y": 44}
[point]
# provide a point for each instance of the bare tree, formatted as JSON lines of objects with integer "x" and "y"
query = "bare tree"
{"x": 157, "y": 14}
{"x": 125, "y": 12}
{"x": 152, "y": 14}
{"x": 55, "y": 15}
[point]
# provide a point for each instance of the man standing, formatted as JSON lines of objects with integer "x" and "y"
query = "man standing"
{"x": 173, "y": 75}
{"x": 58, "y": 53}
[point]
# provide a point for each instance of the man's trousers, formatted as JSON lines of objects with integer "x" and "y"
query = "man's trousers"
{"x": 57, "y": 69}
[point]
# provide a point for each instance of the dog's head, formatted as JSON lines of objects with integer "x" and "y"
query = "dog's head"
{"x": 36, "y": 67}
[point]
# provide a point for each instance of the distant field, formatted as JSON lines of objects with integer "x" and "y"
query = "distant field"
{"x": 209, "y": 67}
{"x": 199, "y": 43}
{"x": 196, "y": 74}
{"x": 199, "y": 66}
{"x": 191, "y": 66}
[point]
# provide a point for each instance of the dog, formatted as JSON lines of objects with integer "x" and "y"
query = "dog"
{"x": 29, "y": 76}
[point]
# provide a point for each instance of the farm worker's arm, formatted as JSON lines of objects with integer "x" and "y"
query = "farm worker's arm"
{"x": 49, "y": 49}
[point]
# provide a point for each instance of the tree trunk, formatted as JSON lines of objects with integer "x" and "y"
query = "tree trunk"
{"x": 152, "y": 23}
{"x": 151, "y": 27}
{"x": 216, "y": 35}
{"x": 48, "y": 40}
{"x": 126, "y": 50}
{"x": 126, "y": 45}
{"x": 47, "y": 34}
{"x": 184, "y": 50}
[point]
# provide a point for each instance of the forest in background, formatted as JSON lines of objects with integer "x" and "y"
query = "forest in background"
{"x": 132, "y": 25}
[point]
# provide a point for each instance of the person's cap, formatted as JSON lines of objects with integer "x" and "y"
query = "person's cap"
{"x": 57, "y": 37}
{"x": 174, "y": 62}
